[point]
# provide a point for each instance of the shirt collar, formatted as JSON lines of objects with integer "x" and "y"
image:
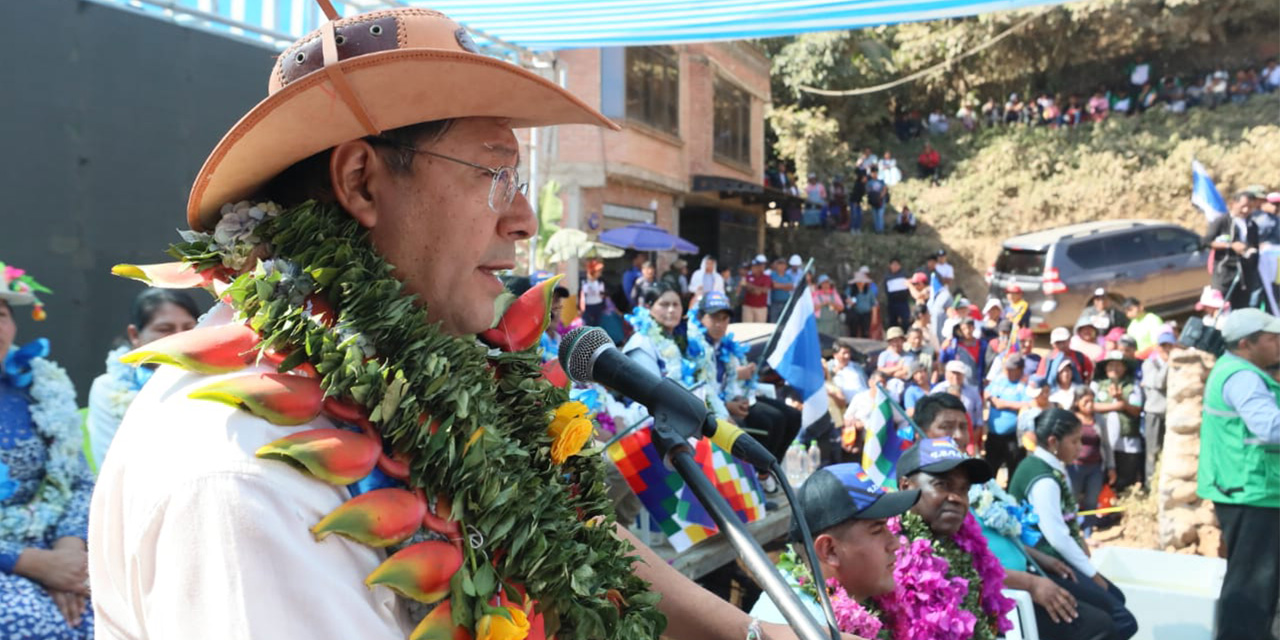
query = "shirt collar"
{"x": 1053, "y": 460}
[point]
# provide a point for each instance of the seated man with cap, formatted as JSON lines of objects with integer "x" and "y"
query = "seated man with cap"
{"x": 847, "y": 515}
{"x": 772, "y": 422}
{"x": 1059, "y": 616}
{"x": 946, "y": 575}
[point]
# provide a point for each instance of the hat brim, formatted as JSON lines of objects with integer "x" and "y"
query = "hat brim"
{"x": 976, "y": 468}
{"x": 16, "y": 298}
{"x": 893, "y": 503}
{"x": 397, "y": 88}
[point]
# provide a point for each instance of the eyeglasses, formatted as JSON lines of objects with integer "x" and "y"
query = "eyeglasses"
{"x": 506, "y": 179}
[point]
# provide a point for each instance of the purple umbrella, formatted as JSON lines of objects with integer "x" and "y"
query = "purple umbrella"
{"x": 643, "y": 236}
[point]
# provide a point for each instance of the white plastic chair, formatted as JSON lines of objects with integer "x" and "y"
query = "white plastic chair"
{"x": 1023, "y": 616}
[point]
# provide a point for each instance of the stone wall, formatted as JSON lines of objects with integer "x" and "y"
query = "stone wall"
{"x": 1187, "y": 523}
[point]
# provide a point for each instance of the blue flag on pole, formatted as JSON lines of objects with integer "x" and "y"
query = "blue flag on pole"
{"x": 797, "y": 356}
{"x": 1204, "y": 194}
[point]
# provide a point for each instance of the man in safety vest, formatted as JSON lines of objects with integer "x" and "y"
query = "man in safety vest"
{"x": 1240, "y": 471}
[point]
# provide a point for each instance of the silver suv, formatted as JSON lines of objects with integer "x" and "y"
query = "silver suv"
{"x": 1160, "y": 264}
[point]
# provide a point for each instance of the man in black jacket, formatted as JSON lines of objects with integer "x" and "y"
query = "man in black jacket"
{"x": 1234, "y": 240}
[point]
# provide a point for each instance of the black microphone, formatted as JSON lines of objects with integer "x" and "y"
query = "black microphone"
{"x": 587, "y": 354}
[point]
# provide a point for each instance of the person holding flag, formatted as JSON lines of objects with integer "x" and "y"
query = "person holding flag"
{"x": 882, "y": 432}
{"x": 1204, "y": 193}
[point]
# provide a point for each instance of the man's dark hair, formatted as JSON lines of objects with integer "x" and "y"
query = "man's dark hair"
{"x": 308, "y": 179}
{"x": 928, "y": 407}
{"x": 842, "y": 346}
{"x": 1130, "y": 303}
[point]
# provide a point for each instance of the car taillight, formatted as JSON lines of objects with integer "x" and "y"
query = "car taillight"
{"x": 1053, "y": 283}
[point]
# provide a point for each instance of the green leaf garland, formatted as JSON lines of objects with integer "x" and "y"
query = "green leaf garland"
{"x": 548, "y": 528}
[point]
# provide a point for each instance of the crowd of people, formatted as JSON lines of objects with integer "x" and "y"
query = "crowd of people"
{"x": 1142, "y": 90}
{"x": 863, "y": 202}
{"x": 438, "y": 466}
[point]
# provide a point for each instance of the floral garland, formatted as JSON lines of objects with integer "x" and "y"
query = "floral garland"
{"x": 474, "y": 425}
{"x": 57, "y": 421}
{"x": 851, "y": 615}
{"x": 947, "y": 589}
{"x": 1001, "y": 513}
{"x": 122, "y": 383}
{"x": 671, "y": 359}
{"x": 728, "y": 353}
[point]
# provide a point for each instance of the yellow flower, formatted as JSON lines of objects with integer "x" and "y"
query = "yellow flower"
{"x": 566, "y": 412}
{"x": 568, "y": 440}
{"x": 496, "y": 627}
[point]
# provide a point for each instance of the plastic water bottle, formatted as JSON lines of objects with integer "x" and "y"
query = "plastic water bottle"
{"x": 815, "y": 457}
{"x": 793, "y": 464}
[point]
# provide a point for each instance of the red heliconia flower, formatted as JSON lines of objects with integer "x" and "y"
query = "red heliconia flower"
{"x": 420, "y": 571}
{"x": 220, "y": 349}
{"x": 552, "y": 372}
{"x": 167, "y": 275}
{"x": 524, "y": 321}
{"x": 336, "y": 456}
{"x": 278, "y": 398}
{"x": 379, "y": 518}
{"x": 438, "y": 625}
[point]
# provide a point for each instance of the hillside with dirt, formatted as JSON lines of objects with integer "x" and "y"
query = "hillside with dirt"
{"x": 1008, "y": 180}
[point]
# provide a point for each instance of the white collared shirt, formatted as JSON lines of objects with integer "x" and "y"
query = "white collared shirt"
{"x": 191, "y": 536}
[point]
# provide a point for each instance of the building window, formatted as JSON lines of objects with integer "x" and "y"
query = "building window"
{"x": 732, "y": 122}
{"x": 653, "y": 88}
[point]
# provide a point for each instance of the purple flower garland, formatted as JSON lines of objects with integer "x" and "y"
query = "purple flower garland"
{"x": 929, "y": 600}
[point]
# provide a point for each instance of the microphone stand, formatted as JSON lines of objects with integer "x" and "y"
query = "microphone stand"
{"x": 674, "y": 448}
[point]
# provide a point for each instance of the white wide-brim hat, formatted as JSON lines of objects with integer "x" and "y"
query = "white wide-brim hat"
{"x": 361, "y": 76}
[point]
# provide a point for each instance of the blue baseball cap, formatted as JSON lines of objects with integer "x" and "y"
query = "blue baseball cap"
{"x": 713, "y": 302}
{"x": 937, "y": 456}
{"x": 842, "y": 492}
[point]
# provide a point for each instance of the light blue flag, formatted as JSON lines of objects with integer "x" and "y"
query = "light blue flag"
{"x": 797, "y": 356}
{"x": 1204, "y": 194}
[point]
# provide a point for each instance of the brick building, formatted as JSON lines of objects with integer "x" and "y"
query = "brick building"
{"x": 690, "y": 156}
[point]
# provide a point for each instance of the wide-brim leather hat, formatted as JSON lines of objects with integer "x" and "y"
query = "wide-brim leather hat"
{"x": 360, "y": 76}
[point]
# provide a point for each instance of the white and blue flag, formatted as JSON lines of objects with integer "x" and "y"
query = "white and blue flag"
{"x": 1204, "y": 194}
{"x": 797, "y": 355}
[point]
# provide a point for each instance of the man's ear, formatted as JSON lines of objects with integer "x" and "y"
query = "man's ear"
{"x": 354, "y": 166}
{"x": 824, "y": 547}
{"x": 906, "y": 483}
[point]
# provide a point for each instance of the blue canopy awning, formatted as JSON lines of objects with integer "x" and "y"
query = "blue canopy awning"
{"x": 549, "y": 25}
{"x": 572, "y": 24}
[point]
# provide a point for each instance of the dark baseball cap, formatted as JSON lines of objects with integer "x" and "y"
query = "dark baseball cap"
{"x": 937, "y": 456}
{"x": 713, "y": 302}
{"x": 842, "y": 492}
